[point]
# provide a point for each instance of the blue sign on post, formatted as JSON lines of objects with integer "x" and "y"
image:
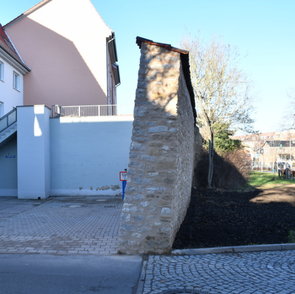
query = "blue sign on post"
{"x": 123, "y": 179}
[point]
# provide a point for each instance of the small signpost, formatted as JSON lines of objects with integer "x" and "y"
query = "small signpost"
{"x": 123, "y": 179}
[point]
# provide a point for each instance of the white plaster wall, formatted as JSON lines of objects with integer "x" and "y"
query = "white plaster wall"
{"x": 8, "y": 95}
{"x": 46, "y": 148}
{"x": 8, "y": 168}
{"x": 33, "y": 152}
{"x": 87, "y": 154}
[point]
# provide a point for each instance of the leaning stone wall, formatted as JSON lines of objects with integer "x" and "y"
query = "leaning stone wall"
{"x": 184, "y": 154}
{"x": 161, "y": 155}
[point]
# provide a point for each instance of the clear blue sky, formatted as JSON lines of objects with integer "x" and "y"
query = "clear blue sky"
{"x": 261, "y": 30}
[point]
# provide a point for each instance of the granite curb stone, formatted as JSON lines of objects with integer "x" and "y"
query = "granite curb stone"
{"x": 234, "y": 249}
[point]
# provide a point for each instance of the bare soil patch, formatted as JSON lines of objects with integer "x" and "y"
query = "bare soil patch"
{"x": 216, "y": 218}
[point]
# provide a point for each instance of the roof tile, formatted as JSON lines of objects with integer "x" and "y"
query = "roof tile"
{"x": 6, "y": 44}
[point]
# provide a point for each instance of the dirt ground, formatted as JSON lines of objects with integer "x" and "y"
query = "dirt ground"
{"x": 217, "y": 218}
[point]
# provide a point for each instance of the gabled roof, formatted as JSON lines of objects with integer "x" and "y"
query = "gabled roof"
{"x": 9, "y": 52}
{"x": 140, "y": 40}
{"x": 6, "y": 44}
{"x": 270, "y": 136}
{"x": 184, "y": 56}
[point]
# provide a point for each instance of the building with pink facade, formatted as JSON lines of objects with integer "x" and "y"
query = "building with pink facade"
{"x": 71, "y": 53}
{"x": 60, "y": 53}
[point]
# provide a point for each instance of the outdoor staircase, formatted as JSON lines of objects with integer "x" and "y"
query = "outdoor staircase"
{"x": 8, "y": 126}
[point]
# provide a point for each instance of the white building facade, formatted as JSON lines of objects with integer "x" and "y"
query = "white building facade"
{"x": 12, "y": 71}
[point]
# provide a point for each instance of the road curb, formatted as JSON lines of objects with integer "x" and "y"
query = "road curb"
{"x": 234, "y": 249}
{"x": 141, "y": 279}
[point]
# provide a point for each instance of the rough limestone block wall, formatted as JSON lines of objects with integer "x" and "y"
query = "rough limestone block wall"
{"x": 161, "y": 155}
{"x": 184, "y": 156}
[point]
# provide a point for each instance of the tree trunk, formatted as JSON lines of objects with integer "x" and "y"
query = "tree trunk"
{"x": 211, "y": 158}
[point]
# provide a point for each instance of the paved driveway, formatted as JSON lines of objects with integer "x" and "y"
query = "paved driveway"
{"x": 77, "y": 227}
{"x": 60, "y": 225}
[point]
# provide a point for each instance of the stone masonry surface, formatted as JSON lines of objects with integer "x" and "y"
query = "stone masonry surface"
{"x": 185, "y": 155}
{"x": 161, "y": 155}
{"x": 271, "y": 272}
{"x": 63, "y": 225}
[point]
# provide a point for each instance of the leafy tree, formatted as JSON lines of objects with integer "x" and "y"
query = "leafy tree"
{"x": 223, "y": 140}
{"x": 221, "y": 92}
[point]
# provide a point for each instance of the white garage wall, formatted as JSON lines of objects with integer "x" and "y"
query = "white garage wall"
{"x": 87, "y": 154}
{"x": 8, "y": 168}
{"x": 33, "y": 163}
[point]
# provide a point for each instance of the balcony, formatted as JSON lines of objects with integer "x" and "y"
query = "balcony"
{"x": 84, "y": 110}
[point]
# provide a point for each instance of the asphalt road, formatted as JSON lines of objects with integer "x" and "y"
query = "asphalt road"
{"x": 52, "y": 274}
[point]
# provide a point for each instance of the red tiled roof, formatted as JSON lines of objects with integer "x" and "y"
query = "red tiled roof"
{"x": 8, "y": 47}
{"x": 6, "y": 44}
{"x": 283, "y": 135}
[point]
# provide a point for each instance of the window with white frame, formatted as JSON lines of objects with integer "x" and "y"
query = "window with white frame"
{"x": 16, "y": 81}
{"x": 1, "y": 71}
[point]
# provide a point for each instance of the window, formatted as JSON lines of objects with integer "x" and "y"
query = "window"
{"x": 1, "y": 71}
{"x": 277, "y": 143}
{"x": 16, "y": 81}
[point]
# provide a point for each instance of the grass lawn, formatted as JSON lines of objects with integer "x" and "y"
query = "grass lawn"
{"x": 267, "y": 180}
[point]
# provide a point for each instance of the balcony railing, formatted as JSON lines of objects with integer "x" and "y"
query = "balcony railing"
{"x": 8, "y": 119}
{"x": 84, "y": 110}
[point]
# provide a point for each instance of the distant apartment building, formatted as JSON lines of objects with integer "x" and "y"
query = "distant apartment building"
{"x": 268, "y": 150}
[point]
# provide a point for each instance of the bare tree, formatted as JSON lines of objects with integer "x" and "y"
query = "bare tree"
{"x": 221, "y": 91}
{"x": 288, "y": 119}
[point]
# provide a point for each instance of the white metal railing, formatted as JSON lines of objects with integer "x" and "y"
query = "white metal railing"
{"x": 8, "y": 119}
{"x": 84, "y": 110}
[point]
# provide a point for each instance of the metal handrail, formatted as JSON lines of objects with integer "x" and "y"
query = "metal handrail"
{"x": 84, "y": 110}
{"x": 8, "y": 119}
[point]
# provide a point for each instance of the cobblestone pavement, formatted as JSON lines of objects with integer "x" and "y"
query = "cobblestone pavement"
{"x": 60, "y": 225}
{"x": 271, "y": 272}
